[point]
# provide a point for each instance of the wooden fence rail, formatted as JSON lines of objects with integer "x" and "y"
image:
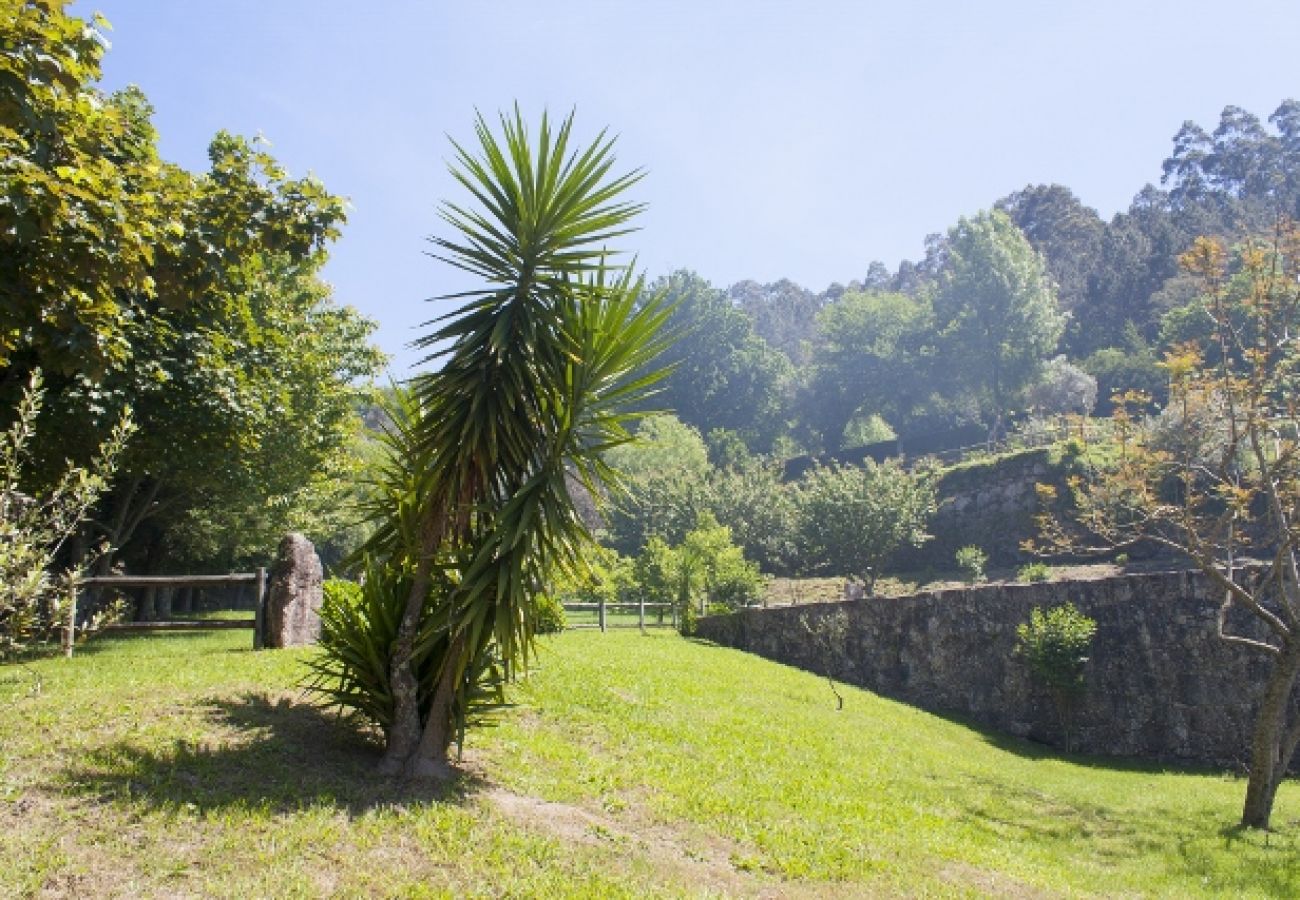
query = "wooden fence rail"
{"x": 257, "y": 579}
{"x": 602, "y": 610}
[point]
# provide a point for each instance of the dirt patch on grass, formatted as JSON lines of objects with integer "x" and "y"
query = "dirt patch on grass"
{"x": 989, "y": 884}
{"x": 705, "y": 863}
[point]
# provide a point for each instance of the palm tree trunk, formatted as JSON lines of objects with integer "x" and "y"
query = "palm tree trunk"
{"x": 431, "y": 759}
{"x": 404, "y": 732}
{"x": 1271, "y": 746}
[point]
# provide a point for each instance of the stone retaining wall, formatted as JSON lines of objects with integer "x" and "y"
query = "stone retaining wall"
{"x": 1160, "y": 682}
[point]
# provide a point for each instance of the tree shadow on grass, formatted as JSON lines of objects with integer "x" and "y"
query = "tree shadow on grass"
{"x": 278, "y": 754}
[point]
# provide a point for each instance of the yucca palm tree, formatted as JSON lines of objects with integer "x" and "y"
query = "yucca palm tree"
{"x": 538, "y": 373}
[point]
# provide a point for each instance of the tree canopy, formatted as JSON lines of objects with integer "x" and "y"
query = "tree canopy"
{"x": 193, "y": 299}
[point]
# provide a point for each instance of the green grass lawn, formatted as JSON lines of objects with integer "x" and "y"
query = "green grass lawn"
{"x": 186, "y": 764}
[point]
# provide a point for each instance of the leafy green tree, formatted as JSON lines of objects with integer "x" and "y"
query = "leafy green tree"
{"x": 852, "y": 519}
{"x": 751, "y": 500}
{"x": 1054, "y": 644}
{"x": 655, "y": 574}
{"x": 84, "y": 200}
{"x": 784, "y": 314}
{"x": 723, "y": 375}
{"x": 1069, "y": 236}
{"x": 705, "y": 569}
{"x": 872, "y": 355}
{"x": 717, "y": 568}
{"x": 1133, "y": 367}
{"x": 995, "y": 309}
{"x": 192, "y": 298}
{"x": 539, "y": 368}
{"x": 666, "y": 472}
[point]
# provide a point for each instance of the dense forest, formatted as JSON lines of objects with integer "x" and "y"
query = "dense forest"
{"x": 1021, "y": 306}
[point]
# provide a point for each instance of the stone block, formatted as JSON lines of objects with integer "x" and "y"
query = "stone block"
{"x": 294, "y": 597}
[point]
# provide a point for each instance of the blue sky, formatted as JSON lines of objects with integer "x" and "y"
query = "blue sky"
{"x": 781, "y": 139}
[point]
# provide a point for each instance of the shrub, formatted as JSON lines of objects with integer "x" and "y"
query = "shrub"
{"x": 548, "y": 615}
{"x": 687, "y": 617}
{"x": 970, "y": 563}
{"x": 1034, "y": 571}
{"x": 36, "y": 598}
{"x": 1054, "y": 643}
{"x": 852, "y": 519}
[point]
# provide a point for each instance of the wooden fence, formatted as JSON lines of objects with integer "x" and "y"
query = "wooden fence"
{"x": 615, "y": 615}
{"x": 153, "y": 582}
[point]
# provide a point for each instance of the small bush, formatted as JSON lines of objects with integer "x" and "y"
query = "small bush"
{"x": 970, "y": 563}
{"x": 1054, "y": 643}
{"x": 36, "y": 588}
{"x": 548, "y": 615}
{"x": 688, "y": 618}
{"x": 1034, "y": 571}
{"x": 1074, "y": 448}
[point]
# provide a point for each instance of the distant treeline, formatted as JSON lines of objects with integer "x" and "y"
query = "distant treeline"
{"x": 1037, "y": 303}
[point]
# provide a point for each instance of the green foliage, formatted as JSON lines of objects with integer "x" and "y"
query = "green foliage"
{"x": 752, "y": 501}
{"x": 358, "y": 625}
{"x": 971, "y": 561}
{"x": 711, "y": 563}
{"x": 996, "y": 310}
{"x": 537, "y": 373}
{"x": 605, "y": 577}
{"x": 851, "y": 519}
{"x": 35, "y": 596}
{"x": 871, "y": 357}
{"x": 687, "y": 618}
{"x": 339, "y": 592}
{"x": 705, "y": 570}
{"x": 1054, "y": 644}
{"x": 655, "y": 572}
{"x": 193, "y": 298}
{"x": 723, "y": 375}
{"x": 549, "y": 616}
{"x": 1034, "y": 571}
{"x": 666, "y": 472}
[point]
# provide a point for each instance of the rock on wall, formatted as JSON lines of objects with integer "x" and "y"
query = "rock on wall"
{"x": 294, "y": 597}
{"x": 1160, "y": 682}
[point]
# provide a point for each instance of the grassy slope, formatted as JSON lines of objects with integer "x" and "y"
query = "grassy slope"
{"x": 634, "y": 765}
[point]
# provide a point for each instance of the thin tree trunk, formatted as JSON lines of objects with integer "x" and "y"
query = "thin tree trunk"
{"x": 430, "y": 759}
{"x": 404, "y": 733}
{"x": 1268, "y": 762}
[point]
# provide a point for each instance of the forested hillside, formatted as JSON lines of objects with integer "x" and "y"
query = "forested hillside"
{"x": 1020, "y": 307}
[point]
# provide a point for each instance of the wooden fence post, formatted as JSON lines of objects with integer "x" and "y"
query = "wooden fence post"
{"x": 70, "y": 631}
{"x": 640, "y": 608}
{"x": 600, "y": 610}
{"x": 259, "y": 607}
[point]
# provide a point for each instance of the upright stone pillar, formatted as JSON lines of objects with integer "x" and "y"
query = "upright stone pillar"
{"x": 294, "y": 597}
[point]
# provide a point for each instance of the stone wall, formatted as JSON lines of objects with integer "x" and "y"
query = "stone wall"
{"x": 1160, "y": 682}
{"x": 990, "y": 505}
